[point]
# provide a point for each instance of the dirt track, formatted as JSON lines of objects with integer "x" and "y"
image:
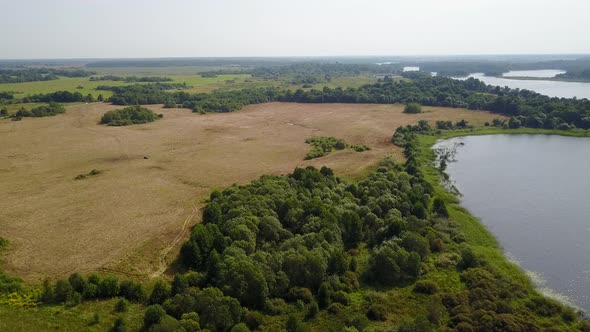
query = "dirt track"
{"x": 124, "y": 219}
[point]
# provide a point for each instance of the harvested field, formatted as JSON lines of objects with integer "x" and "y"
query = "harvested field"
{"x": 123, "y": 218}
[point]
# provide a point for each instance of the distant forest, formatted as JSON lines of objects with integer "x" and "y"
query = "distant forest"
{"x": 131, "y": 79}
{"x": 39, "y": 74}
{"x": 527, "y": 108}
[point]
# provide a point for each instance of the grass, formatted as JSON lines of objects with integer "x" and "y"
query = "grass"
{"x": 61, "y": 318}
{"x": 198, "y": 83}
{"x": 403, "y": 304}
{"x": 476, "y": 235}
{"x": 122, "y": 219}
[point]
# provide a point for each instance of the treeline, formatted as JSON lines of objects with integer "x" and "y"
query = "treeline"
{"x": 50, "y": 109}
{"x": 582, "y": 74}
{"x": 314, "y": 72}
{"x": 59, "y": 97}
{"x": 39, "y": 74}
{"x": 461, "y": 68}
{"x": 131, "y": 79}
{"x": 528, "y": 108}
{"x": 6, "y": 96}
{"x": 143, "y": 94}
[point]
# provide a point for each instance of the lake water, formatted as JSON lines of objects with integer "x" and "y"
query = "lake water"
{"x": 544, "y": 73}
{"x": 532, "y": 193}
{"x": 411, "y": 68}
{"x": 545, "y": 87}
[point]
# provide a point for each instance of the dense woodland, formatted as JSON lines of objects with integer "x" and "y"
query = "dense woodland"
{"x": 582, "y": 74}
{"x": 21, "y": 75}
{"x": 527, "y": 108}
{"x": 313, "y": 73}
{"x": 309, "y": 250}
{"x": 456, "y": 68}
{"x": 131, "y": 79}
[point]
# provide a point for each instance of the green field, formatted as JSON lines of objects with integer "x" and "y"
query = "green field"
{"x": 85, "y": 86}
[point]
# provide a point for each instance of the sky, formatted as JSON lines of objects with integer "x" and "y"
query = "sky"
{"x": 43, "y": 29}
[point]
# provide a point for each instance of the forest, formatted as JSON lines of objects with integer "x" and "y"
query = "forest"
{"x": 131, "y": 79}
{"x": 527, "y": 108}
{"x": 21, "y": 75}
{"x": 311, "y": 251}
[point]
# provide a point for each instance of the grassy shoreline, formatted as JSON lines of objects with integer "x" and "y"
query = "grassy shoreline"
{"x": 478, "y": 237}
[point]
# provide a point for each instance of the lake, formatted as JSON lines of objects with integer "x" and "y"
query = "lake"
{"x": 531, "y": 192}
{"x": 545, "y": 87}
{"x": 543, "y": 73}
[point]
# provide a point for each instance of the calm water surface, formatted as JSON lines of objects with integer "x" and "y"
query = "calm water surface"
{"x": 533, "y": 193}
{"x": 543, "y": 73}
{"x": 560, "y": 89}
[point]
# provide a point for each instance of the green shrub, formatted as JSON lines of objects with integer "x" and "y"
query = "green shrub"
{"x": 377, "y": 312}
{"x": 413, "y": 108}
{"x": 122, "y": 305}
{"x": 153, "y": 315}
{"x": 120, "y": 325}
{"x": 426, "y": 287}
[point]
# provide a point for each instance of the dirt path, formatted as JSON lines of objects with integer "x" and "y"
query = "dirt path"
{"x": 163, "y": 265}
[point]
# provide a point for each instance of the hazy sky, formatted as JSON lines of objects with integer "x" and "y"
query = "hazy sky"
{"x": 185, "y": 28}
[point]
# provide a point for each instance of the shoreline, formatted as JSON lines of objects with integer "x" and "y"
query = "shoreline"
{"x": 486, "y": 242}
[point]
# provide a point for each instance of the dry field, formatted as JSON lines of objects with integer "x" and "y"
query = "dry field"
{"x": 125, "y": 218}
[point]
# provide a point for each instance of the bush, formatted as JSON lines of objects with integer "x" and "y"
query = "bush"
{"x": 341, "y": 297}
{"x": 413, "y": 108}
{"x": 377, "y": 312}
{"x": 312, "y": 310}
{"x": 160, "y": 292}
{"x": 153, "y": 315}
{"x": 426, "y": 287}
{"x": 300, "y": 293}
{"x": 253, "y": 319}
{"x": 122, "y": 305}
{"x": 120, "y": 325}
{"x": 133, "y": 291}
{"x": 335, "y": 308}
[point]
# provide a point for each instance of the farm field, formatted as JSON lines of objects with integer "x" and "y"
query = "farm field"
{"x": 125, "y": 218}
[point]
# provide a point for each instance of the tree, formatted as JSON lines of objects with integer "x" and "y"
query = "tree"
{"x": 160, "y": 292}
{"x": 108, "y": 287}
{"x": 153, "y": 315}
{"x": 216, "y": 311}
{"x": 133, "y": 291}
{"x": 352, "y": 229}
{"x": 4, "y": 111}
{"x": 122, "y": 305}
{"x": 413, "y": 108}
{"x": 179, "y": 284}
{"x": 324, "y": 295}
{"x": 440, "y": 208}
{"x": 100, "y": 98}
{"x": 120, "y": 325}
{"x": 63, "y": 291}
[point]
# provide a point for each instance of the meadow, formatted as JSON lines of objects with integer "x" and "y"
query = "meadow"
{"x": 130, "y": 218}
